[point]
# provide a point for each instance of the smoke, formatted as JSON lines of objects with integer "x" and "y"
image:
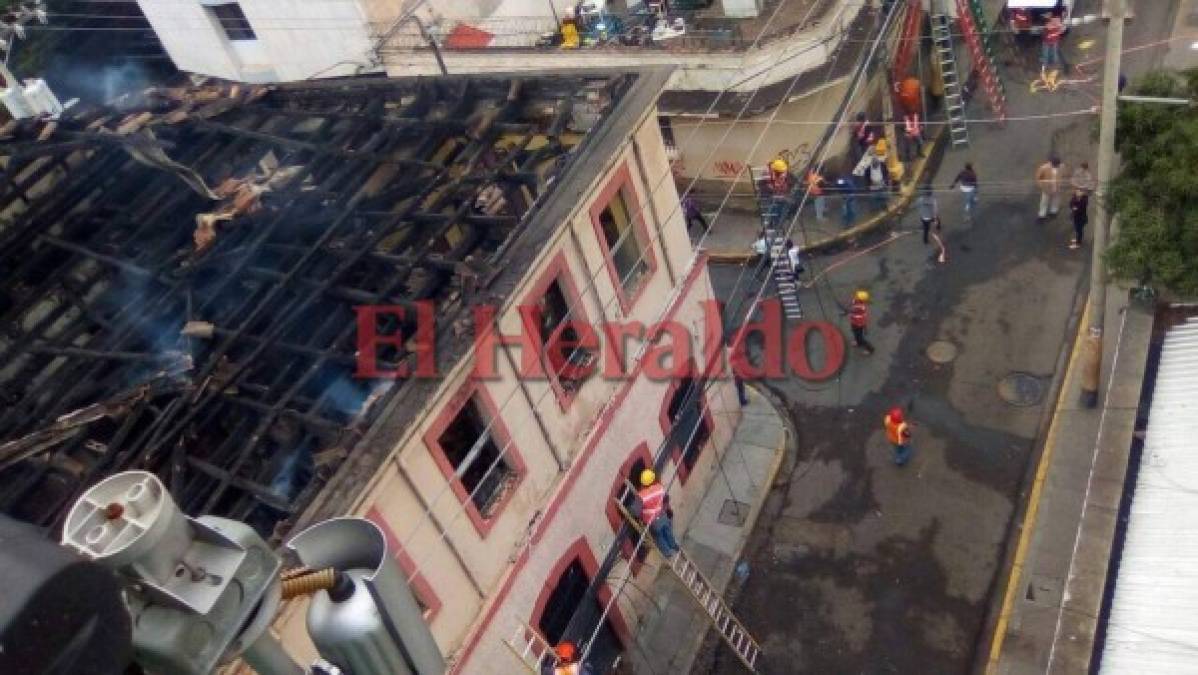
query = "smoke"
{"x": 96, "y": 83}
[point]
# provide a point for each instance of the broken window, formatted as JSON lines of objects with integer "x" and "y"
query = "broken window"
{"x": 689, "y": 426}
{"x": 474, "y": 453}
{"x": 233, "y": 21}
{"x": 623, "y": 247}
{"x": 569, "y": 362}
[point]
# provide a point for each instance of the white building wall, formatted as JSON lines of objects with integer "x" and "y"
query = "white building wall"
{"x": 294, "y": 39}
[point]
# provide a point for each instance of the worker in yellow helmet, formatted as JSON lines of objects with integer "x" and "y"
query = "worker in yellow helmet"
{"x": 656, "y": 513}
{"x": 859, "y": 319}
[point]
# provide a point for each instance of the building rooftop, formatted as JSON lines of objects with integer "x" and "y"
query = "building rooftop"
{"x": 181, "y": 272}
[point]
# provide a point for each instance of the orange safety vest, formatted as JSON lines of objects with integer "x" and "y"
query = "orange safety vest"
{"x": 911, "y": 123}
{"x": 568, "y": 669}
{"x": 897, "y": 434}
{"x": 653, "y": 502}
{"x": 858, "y": 315}
{"x": 815, "y": 183}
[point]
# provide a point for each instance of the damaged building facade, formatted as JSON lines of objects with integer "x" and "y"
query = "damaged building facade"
{"x": 185, "y": 280}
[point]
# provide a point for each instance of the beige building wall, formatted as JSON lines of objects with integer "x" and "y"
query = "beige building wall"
{"x": 570, "y": 455}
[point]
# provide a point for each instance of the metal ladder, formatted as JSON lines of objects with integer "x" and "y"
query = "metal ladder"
{"x": 776, "y": 245}
{"x": 954, "y": 103}
{"x": 983, "y": 56}
{"x": 534, "y": 653}
{"x": 722, "y": 619}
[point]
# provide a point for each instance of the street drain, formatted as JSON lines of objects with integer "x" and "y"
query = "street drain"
{"x": 942, "y": 351}
{"x": 733, "y": 513}
{"x": 1021, "y": 389}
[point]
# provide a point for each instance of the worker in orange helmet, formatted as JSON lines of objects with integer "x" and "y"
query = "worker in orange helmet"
{"x": 567, "y": 661}
{"x": 898, "y": 432}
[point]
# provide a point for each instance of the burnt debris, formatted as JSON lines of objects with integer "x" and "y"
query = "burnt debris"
{"x": 180, "y": 271}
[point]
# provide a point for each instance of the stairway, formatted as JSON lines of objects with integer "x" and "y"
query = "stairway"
{"x": 719, "y": 614}
{"x": 532, "y": 650}
{"x": 908, "y": 39}
{"x": 942, "y": 45}
{"x": 775, "y": 243}
{"x": 983, "y": 61}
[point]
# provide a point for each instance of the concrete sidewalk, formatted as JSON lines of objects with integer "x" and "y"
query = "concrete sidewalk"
{"x": 669, "y": 635}
{"x": 1054, "y": 589}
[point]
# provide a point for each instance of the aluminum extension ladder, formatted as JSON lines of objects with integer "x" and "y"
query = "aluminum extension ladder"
{"x": 954, "y": 102}
{"x": 534, "y": 652}
{"x": 719, "y": 614}
{"x": 775, "y": 243}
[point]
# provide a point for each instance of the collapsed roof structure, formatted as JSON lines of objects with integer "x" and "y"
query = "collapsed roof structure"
{"x": 180, "y": 271}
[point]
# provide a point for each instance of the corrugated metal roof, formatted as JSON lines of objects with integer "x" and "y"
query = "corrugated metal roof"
{"x": 1153, "y": 625}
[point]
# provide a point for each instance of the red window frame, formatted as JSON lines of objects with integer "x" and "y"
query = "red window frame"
{"x": 557, "y": 270}
{"x": 664, "y": 418}
{"x": 581, "y": 551}
{"x": 419, "y": 584}
{"x": 472, "y": 390}
{"x": 622, "y": 180}
{"x": 614, "y": 516}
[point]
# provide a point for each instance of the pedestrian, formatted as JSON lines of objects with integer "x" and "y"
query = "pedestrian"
{"x": 1050, "y": 45}
{"x": 968, "y": 180}
{"x": 655, "y": 513}
{"x": 1082, "y": 179}
{"x": 872, "y": 169}
{"x": 864, "y": 135}
{"x": 690, "y": 208}
{"x": 929, "y": 210}
{"x": 1077, "y": 208}
{"x": 796, "y": 261}
{"x": 815, "y": 188}
{"x": 859, "y": 320}
{"x": 567, "y": 661}
{"x": 847, "y": 186}
{"x": 898, "y": 432}
{"x": 1048, "y": 179}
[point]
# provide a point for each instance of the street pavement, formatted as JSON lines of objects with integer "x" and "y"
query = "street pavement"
{"x": 858, "y": 566}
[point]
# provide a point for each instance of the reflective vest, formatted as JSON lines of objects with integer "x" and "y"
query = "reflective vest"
{"x": 815, "y": 183}
{"x": 897, "y": 434}
{"x": 568, "y": 669}
{"x": 858, "y": 314}
{"x": 653, "y": 502}
{"x": 911, "y": 124}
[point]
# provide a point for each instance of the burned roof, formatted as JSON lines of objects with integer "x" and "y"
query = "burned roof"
{"x": 181, "y": 271}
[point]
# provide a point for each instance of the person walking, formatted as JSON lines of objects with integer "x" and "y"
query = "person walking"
{"x": 859, "y": 320}
{"x": 913, "y": 135}
{"x": 1050, "y": 46}
{"x": 967, "y": 179}
{"x": 1078, "y": 206}
{"x": 815, "y": 188}
{"x": 929, "y": 210}
{"x": 1048, "y": 179}
{"x": 690, "y": 208}
{"x": 847, "y": 187}
{"x": 654, "y": 513}
{"x": 864, "y": 134}
{"x": 898, "y": 432}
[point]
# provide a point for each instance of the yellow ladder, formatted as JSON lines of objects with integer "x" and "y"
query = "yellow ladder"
{"x": 725, "y": 622}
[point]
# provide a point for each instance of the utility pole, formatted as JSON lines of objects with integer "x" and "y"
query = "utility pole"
{"x": 1092, "y": 366}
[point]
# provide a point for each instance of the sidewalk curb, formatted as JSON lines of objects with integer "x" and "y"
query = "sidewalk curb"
{"x": 871, "y": 224}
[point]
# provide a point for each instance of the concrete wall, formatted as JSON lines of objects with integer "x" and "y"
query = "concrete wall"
{"x": 572, "y": 454}
{"x": 295, "y": 39}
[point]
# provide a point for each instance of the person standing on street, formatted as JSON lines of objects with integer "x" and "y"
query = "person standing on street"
{"x": 859, "y": 319}
{"x": 1048, "y": 179}
{"x": 654, "y": 506}
{"x": 1050, "y": 47}
{"x": 1077, "y": 208}
{"x": 815, "y": 187}
{"x": 898, "y": 432}
{"x": 929, "y": 210}
{"x": 1082, "y": 180}
{"x": 693, "y": 215}
{"x": 968, "y": 180}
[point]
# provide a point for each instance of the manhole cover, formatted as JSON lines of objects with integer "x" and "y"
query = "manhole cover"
{"x": 733, "y": 513}
{"x": 942, "y": 351}
{"x": 1021, "y": 389}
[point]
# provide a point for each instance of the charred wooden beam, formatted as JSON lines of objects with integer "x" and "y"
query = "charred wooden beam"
{"x": 320, "y": 149}
{"x": 262, "y": 492}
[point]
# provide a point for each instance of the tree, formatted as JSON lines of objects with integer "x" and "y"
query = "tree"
{"x": 1156, "y": 191}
